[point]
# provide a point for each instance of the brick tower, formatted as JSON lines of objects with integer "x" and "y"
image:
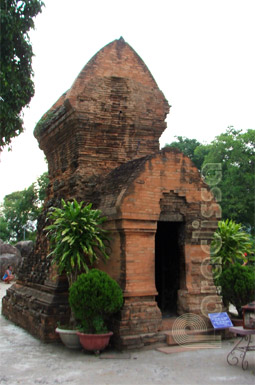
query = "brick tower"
{"x": 101, "y": 140}
{"x": 114, "y": 112}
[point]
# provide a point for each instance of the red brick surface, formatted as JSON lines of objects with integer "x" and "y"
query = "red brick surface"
{"x": 101, "y": 140}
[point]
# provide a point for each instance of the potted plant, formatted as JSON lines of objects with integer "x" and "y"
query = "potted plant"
{"x": 68, "y": 335}
{"x": 230, "y": 259}
{"x": 93, "y": 298}
{"x": 238, "y": 287}
{"x": 77, "y": 242}
{"x": 230, "y": 244}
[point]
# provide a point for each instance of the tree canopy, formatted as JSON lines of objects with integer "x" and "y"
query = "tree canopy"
{"x": 20, "y": 210}
{"x": 17, "y": 87}
{"x": 234, "y": 151}
{"x": 188, "y": 147}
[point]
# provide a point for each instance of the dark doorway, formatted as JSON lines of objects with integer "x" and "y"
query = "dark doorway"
{"x": 167, "y": 265}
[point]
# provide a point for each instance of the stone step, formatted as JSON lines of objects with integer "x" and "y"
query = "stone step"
{"x": 188, "y": 347}
{"x": 185, "y": 337}
{"x": 167, "y": 323}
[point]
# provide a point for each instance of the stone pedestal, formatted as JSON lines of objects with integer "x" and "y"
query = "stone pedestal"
{"x": 37, "y": 308}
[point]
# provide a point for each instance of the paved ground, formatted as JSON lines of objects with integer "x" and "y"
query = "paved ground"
{"x": 25, "y": 360}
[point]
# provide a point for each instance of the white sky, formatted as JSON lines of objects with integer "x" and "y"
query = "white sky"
{"x": 200, "y": 52}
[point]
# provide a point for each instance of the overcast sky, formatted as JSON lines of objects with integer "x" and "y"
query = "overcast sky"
{"x": 200, "y": 52}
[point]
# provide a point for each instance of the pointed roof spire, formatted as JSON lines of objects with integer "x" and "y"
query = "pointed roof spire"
{"x": 113, "y": 103}
{"x": 117, "y": 59}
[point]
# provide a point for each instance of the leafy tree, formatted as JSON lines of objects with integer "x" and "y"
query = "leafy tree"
{"x": 189, "y": 147}
{"x": 234, "y": 151}
{"x": 20, "y": 211}
{"x": 4, "y": 233}
{"x": 17, "y": 87}
{"x": 200, "y": 153}
{"x": 41, "y": 187}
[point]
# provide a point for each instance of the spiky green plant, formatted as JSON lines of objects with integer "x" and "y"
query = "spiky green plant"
{"x": 77, "y": 239}
{"x": 230, "y": 244}
{"x": 229, "y": 248}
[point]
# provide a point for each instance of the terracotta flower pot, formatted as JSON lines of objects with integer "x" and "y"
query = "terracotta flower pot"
{"x": 94, "y": 342}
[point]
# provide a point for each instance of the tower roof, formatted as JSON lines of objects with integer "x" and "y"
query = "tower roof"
{"x": 113, "y": 103}
{"x": 116, "y": 59}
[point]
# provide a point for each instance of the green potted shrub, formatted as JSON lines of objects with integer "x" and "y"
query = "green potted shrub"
{"x": 230, "y": 253}
{"x": 238, "y": 285}
{"x": 93, "y": 298}
{"x": 77, "y": 243}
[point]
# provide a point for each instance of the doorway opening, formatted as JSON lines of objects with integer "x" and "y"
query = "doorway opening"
{"x": 168, "y": 265}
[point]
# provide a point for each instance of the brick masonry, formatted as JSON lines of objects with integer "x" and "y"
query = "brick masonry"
{"x": 101, "y": 140}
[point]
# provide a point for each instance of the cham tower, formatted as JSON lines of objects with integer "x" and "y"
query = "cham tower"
{"x": 113, "y": 113}
{"x": 101, "y": 141}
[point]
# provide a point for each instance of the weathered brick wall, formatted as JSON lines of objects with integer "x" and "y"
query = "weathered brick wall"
{"x": 165, "y": 186}
{"x": 114, "y": 112}
{"x": 101, "y": 140}
{"x": 36, "y": 309}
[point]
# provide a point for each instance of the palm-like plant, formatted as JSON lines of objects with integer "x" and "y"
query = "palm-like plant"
{"x": 77, "y": 240}
{"x": 230, "y": 244}
{"x": 229, "y": 249}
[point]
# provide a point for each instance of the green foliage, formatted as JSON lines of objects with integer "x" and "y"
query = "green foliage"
{"x": 77, "y": 239}
{"x": 251, "y": 253}
{"x": 230, "y": 244}
{"x": 4, "y": 232}
{"x": 17, "y": 87}
{"x": 42, "y": 184}
{"x": 93, "y": 298}
{"x": 20, "y": 210}
{"x": 200, "y": 153}
{"x": 44, "y": 121}
{"x": 238, "y": 285}
{"x": 231, "y": 247}
{"x": 188, "y": 147}
{"x": 18, "y": 213}
{"x": 235, "y": 152}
